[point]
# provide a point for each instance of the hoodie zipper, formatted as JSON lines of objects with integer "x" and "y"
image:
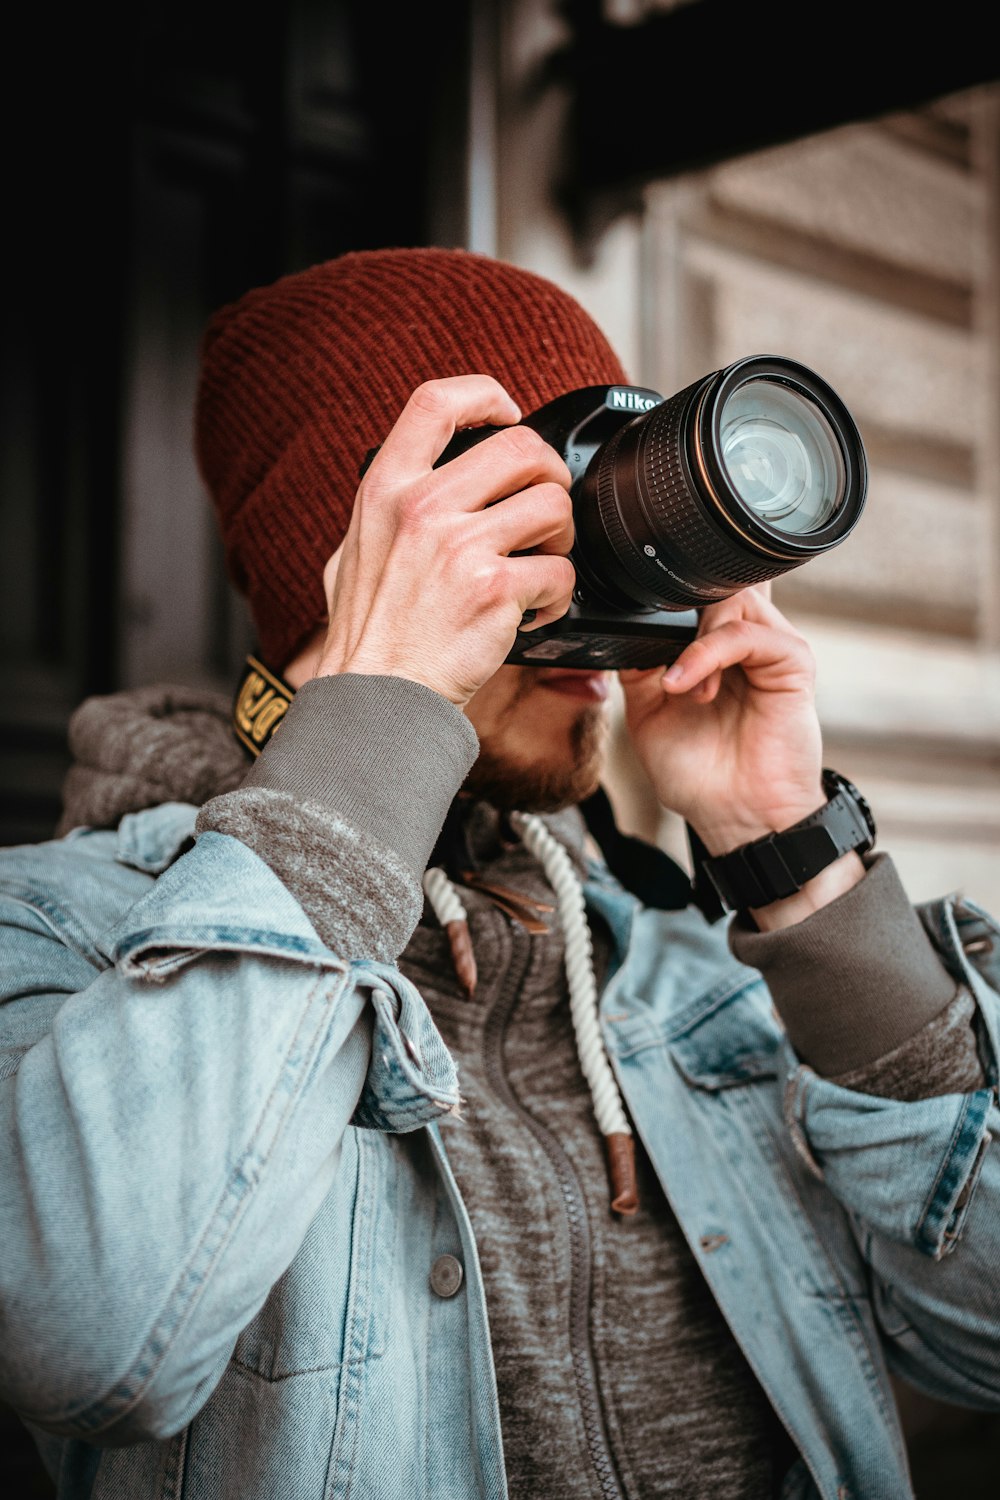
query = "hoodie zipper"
{"x": 581, "y": 1347}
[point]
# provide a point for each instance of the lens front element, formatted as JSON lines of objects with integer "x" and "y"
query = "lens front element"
{"x": 782, "y": 456}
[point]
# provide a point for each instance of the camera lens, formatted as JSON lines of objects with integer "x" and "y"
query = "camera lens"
{"x": 739, "y": 478}
{"x": 782, "y": 456}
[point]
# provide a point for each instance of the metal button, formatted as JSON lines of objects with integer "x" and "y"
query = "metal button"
{"x": 446, "y": 1275}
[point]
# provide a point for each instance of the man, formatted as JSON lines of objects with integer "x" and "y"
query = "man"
{"x": 283, "y": 1217}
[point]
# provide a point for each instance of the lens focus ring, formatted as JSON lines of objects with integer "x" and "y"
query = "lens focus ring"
{"x": 687, "y": 531}
{"x": 715, "y": 490}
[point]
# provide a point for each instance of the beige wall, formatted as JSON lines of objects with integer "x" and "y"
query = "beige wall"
{"x": 870, "y": 254}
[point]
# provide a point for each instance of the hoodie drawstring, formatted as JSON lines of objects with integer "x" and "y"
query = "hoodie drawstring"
{"x": 609, "y": 1109}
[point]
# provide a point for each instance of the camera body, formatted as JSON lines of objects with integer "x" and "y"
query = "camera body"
{"x": 593, "y": 632}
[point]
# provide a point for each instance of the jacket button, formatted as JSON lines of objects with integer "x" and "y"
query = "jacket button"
{"x": 446, "y": 1275}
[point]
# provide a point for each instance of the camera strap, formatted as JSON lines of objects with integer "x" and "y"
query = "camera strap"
{"x": 259, "y": 704}
{"x": 645, "y": 870}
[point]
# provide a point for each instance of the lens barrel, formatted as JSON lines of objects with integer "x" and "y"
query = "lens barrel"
{"x": 746, "y": 474}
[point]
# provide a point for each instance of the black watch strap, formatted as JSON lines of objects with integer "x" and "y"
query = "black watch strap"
{"x": 777, "y": 866}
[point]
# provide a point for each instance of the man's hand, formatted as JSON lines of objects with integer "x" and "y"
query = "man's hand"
{"x": 730, "y": 738}
{"x": 426, "y": 584}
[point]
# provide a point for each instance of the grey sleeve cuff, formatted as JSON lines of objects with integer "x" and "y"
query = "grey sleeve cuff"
{"x": 943, "y": 1058}
{"x": 384, "y": 754}
{"x": 362, "y": 902}
{"x": 346, "y": 802}
{"x": 855, "y": 980}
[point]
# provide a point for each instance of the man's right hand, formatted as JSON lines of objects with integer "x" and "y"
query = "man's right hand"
{"x": 425, "y": 584}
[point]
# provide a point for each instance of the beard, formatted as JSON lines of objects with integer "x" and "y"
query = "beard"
{"x": 549, "y": 783}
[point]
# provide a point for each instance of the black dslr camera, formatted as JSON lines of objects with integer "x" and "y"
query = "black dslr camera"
{"x": 682, "y": 501}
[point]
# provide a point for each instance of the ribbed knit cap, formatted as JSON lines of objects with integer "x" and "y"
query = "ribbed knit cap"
{"x": 301, "y": 378}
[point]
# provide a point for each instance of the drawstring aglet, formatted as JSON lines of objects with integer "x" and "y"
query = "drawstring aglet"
{"x": 462, "y": 956}
{"x": 621, "y": 1169}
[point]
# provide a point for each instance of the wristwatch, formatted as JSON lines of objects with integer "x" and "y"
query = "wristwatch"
{"x": 777, "y": 866}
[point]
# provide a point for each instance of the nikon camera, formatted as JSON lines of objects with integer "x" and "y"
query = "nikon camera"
{"x": 682, "y": 501}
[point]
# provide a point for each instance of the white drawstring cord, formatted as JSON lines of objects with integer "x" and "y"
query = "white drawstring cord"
{"x": 453, "y": 917}
{"x": 608, "y": 1107}
{"x": 579, "y": 971}
{"x": 443, "y": 897}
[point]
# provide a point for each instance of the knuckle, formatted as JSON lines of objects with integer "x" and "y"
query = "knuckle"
{"x": 415, "y": 509}
{"x": 494, "y": 587}
{"x": 742, "y": 631}
{"x": 806, "y": 658}
{"x": 800, "y": 645}
{"x": 558, "y": 498}
{"x": 523, "y": 443}
{"x": 451, "y": 550}
{"x": 558, "y": 579}
{"x": 566, "y": 576}
{"x": 431, "y": 397}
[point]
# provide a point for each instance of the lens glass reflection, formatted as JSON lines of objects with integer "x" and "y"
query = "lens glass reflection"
{"x": 781, "y": 456}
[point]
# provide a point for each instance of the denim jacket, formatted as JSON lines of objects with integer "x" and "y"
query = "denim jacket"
{"x": 222, "y": 1190}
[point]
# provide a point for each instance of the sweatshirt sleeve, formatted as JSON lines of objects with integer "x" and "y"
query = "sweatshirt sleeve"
{"x": 346, "y": 801}
{"x": 864, "y": 997}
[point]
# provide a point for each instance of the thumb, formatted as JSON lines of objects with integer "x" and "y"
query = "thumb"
{"x": 641, "y": 686}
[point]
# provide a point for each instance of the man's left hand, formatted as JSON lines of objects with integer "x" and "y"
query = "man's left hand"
{"x": 729, "y": 735}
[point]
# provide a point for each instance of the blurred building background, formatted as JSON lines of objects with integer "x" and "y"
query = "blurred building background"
{"x": 871, "y": 253}
{"x": 705, "y": 198}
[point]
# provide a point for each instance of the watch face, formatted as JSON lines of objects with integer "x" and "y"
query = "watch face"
{"x": 834, "y": 782}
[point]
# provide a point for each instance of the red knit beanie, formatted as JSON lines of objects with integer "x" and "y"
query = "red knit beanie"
{"x": 301, "y": 378}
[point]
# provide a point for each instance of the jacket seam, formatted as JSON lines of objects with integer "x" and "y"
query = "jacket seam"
{"x": 63, "y": 931}
{"x": 254, "y": 940}
{"x": 966, "y": 1129}
{"x": 699, "y": 1011}
{"x": 331, "y": 1364}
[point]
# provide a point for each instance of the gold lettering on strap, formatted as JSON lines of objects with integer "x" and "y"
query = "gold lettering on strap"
{"x": 260, "y": 704}
{"x": 248, "y": 700}
{"x": 266, "y": 720}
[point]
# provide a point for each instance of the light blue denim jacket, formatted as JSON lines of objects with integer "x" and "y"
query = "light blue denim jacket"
{"x": 222, "y": 1190}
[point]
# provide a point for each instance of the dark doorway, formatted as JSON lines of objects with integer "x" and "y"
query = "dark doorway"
{"x": 158, "y": 165}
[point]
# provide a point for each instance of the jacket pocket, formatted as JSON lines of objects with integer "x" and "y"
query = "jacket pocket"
{"x": 327, "y": 1309}
{"x": 728, "y": 1037}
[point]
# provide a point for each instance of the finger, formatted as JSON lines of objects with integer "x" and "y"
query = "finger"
{"x": 635, "y": 678}
{"x": 540, "y": 518}
{"x": 497, "y": 467}
{"x": 331, "y": 571}
{"x": 707, "y": 690}
{"x": 748, "y": 604}
{"x": 430, "y": 419}
{"x": 642, "y": 690}
{"x": 642, "y": 693}
{"x": 542, "y": 583}
{"x": 628, "y": 675}
{"x": 770, "y": 658}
